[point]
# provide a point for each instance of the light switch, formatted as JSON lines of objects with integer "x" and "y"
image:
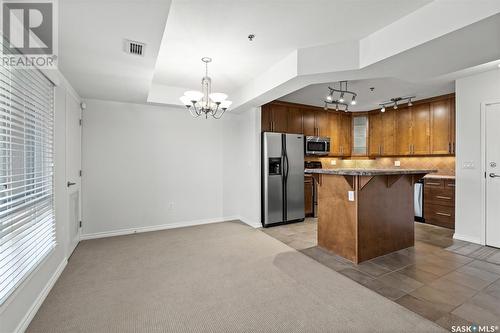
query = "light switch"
{"x": 397, "y": 163}
{"x": 350, "y": 195}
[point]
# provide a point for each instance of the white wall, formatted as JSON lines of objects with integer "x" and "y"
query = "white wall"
{"x": 470, "y": 93}
{"x": 149, "y": 167}
{"x": 241, "y": 195}
{"x": 21, "y": 306}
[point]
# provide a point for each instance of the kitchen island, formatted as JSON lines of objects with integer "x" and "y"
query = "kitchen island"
{"x": 366, "y": 213}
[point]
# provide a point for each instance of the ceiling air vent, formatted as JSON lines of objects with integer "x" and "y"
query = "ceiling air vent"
{"x": 133, "y": 47}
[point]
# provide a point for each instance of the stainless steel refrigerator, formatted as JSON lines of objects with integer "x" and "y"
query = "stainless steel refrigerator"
{"x": 282, "y": 178}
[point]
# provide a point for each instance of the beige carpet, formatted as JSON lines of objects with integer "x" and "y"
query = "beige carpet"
{"x": 223, "y": 277}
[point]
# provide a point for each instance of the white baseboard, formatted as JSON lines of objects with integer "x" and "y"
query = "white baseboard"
{"x": 23, "y": 325}
{"x": 129, "y": 231}
{"x": 467, "y": 239}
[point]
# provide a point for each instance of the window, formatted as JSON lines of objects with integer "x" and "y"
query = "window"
{"x": 360, "y": 134}
{"x": 27, "y": 226}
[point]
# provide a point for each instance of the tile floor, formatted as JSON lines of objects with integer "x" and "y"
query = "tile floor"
{"x": 447, "y": 281}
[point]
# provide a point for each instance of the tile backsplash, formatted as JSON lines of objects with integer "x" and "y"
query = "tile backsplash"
{"x": 444, "y": 164}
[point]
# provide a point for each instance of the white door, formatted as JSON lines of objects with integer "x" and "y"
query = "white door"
{"x": 73, "y": 167}
{"x": 492, "y": 175}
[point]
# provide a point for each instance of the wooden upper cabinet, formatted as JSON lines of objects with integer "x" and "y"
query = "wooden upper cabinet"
{"x": 274, "y": 118}
{"x": 266, "y": 119}
{"x": 420, "y": 129}
{"x": 403, "y": 131}
{"x": 345, "y": 134}
{"x": 309, "y": 122}
{"x": 442, "y": 124}
{"x": 334, "y": 123}
{"x": 322, "y": 125}
{"x": 295, "y": 120}
{"x": 375, "y": 134}
{"x": 389, "y": 133}
{"x": 280, "y": 118}
{"x": 453, "y": 126}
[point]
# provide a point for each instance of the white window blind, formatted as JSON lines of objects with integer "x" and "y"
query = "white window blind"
{"x": 27, "y": 228}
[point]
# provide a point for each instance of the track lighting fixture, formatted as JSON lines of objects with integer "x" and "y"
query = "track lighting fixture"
{"x": 341, "y": 100}
{"x": 395, "y": 102}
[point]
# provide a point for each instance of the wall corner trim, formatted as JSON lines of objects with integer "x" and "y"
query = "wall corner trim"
{"x": 23, "y": 325}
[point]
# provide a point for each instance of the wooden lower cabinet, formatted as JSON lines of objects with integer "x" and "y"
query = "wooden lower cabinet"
{"x": 439, "y": 202}
{"x": 309, "y": 195}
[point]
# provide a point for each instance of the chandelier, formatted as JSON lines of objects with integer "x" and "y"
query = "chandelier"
{"x": 205, "y": 102}
{"x": 341, "y": 101}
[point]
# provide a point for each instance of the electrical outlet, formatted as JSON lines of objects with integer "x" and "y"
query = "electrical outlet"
{"x": 397, "y": 163}
{"x": 333, "y": 162}
{"x": 350, "y": 195}
{"x": 468, "y": 165}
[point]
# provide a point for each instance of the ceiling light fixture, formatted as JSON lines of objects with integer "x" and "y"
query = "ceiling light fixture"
{"x": 205, "y": 102}
{"x": 341, "y": 100}
{"x": 395, "y": 102}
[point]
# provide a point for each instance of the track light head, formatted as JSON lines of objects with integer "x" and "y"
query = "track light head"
{"x": 382, "y": 109}
{"x": 341, "y": 99}
{"x": 409, "y": 102}
{"x": 395, "y": 105}
{"x": 353, "y": 101}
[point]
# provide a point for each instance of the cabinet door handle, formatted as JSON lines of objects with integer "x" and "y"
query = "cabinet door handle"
{"x": 449, "y": 147}
{"x": 453, "y": 151}
{"x": 451, "y": 185}
{"x": 437, "y": 184}
{"x": 443, "y": 214}
{"x": 441, "y": 197}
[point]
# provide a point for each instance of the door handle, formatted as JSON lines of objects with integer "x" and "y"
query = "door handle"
{"x": 68, "y": 184}
{"x": 493, "y": 175}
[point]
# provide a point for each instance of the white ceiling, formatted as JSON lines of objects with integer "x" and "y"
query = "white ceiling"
{"x": 399, "y": 46}
{"x": 91, "y": 53}
{"x": 385, "y": 89}
{"x": 219, "y": 29}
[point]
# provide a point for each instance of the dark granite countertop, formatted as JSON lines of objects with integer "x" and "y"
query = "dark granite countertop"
{"x": 369, "y": 172}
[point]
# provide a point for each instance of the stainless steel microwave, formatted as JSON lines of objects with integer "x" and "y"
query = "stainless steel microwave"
{"x": 316, "y": 145}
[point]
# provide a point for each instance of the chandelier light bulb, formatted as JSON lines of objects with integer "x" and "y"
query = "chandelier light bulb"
{"x": 395, "y": 105}
{"x": 225, "y": 104}
{"x": 194, "y": 95}
{"x": 186, "y": 100}
{"x": 217, "y": 97}
{"x": 329, "y": 98}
